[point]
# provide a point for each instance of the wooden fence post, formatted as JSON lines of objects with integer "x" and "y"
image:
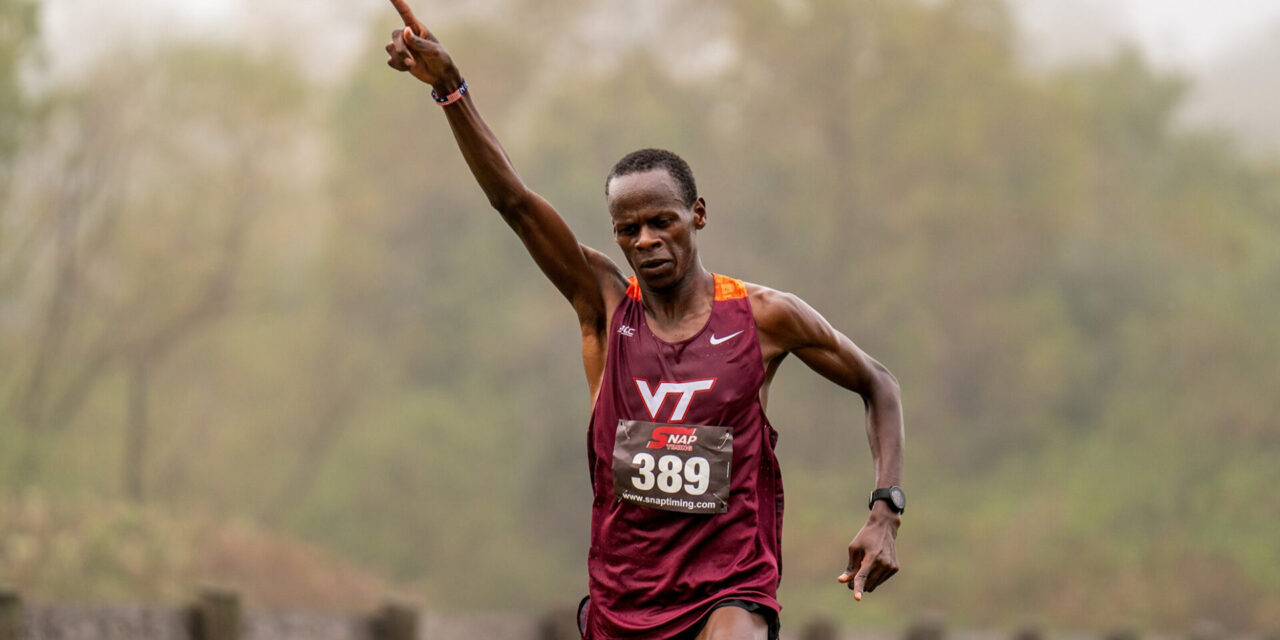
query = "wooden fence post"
{"x": 1121, "y": 634}
{"x": 929, "y": 625}
{"x": 10, "y": 615}
{"x": 559, "y": 624}
{"x": 396, "y": 622}
{"x": 218, "y": 615}
{"x": 822, "y": 628}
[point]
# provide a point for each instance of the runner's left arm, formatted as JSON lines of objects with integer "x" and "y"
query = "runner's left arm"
{"x": 788, "y": 325}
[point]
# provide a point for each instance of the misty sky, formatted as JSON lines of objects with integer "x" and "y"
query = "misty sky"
{"x": 1187, "y": 34}
{"x": 1179, "y": 33}
{"x": 1194, "y": 30}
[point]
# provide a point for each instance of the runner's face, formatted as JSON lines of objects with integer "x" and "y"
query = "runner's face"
{"x": 654, "y": 228}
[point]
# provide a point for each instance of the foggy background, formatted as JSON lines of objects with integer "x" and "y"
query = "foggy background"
{"x": 259, "y": 328}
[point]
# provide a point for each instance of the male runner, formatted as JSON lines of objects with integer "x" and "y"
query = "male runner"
{"x": 687, "y": 516}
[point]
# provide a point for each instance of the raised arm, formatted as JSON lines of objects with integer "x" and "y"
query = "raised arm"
{"x": 788, "y": 325}
{"x": 580, "y": 274}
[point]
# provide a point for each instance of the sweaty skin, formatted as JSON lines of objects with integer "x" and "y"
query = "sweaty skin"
{"x": 657, "y": 232}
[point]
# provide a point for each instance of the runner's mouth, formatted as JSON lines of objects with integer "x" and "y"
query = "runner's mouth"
{"x": 652, "y": 265}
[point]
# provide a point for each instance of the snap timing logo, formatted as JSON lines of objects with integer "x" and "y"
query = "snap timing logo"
{"x": 673, "y": 438}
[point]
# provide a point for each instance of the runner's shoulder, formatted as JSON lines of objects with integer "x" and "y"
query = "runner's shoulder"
{"x": 774, "y": 309}
{"x": 783, "y": 320}
{"x": 607, "y": 273}
{"x": 612, "y": 288}
{"x": 772, "y": 305}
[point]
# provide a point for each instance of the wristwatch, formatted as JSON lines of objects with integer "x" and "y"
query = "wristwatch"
{"x": 893, "y": 495}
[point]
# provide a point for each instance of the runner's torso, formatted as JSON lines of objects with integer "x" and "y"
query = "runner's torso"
{"x": 688, "y": 498}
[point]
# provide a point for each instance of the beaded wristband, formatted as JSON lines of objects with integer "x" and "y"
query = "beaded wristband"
{"x": 451, "y": 98}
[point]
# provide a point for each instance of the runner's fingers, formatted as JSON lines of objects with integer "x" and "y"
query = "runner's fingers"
{"x": 881, "y": 572}
{"x": 858, "y": 585}
{"x": 406, "y": 14}
{"x": 876, "y": 576}
{"x": 422, "y": 46}
{"x": 411, "y": 21}
{"x": 398, "y": 51}
{"x": 855, "y": 561}
{"x": 887, "y": 574}
{"x": 393, "y": 60}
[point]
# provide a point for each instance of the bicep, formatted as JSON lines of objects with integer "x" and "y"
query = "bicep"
{"x": 839, "y": 360}
{"x": 801, "y": 330}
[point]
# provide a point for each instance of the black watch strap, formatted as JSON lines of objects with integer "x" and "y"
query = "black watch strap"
{"x": 893, "y": 496}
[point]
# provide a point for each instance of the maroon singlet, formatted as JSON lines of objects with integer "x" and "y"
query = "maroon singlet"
{"x": 662, "y": 423}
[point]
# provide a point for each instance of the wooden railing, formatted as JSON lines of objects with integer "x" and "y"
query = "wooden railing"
{"x": 218, "y": 615}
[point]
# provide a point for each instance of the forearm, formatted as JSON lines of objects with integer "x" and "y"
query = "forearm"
{"x": 543, "y": 231}
{"x": 873, "y": 556}
{"x": 885, "y": 433}
{"x": 483, "y": 153}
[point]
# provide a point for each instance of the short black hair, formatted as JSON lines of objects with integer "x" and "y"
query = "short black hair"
{"x": 649, "y": 159}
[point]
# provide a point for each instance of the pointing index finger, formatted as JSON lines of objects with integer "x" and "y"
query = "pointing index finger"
{"x": 406, "y": 15}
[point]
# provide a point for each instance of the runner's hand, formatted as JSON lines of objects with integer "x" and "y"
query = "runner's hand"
{"x": 414, "y": 49}
{"x": 872, "y": 555}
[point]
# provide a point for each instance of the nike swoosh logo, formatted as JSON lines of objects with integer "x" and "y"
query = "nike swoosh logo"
{"x": 715, "y": 340}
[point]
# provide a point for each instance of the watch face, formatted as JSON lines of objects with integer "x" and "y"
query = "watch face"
{"x": 899, "y": 499}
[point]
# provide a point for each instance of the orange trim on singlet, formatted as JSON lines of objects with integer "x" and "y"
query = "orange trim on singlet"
{"x": 726, "y": 288}
{"x": 729, "y": 288}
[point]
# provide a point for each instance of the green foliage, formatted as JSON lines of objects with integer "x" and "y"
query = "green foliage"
{"x": 17, "y": 31}
{"x": 96, "y": 551}
{"x": 1077, "y": 296}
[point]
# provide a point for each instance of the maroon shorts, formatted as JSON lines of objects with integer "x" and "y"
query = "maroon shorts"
{"x": 770, "y": 616}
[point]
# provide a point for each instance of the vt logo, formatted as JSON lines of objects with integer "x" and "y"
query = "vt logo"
{"x": 655, "y": 398}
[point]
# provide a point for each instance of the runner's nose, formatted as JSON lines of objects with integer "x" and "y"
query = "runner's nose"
{"x": 647, "y": 240}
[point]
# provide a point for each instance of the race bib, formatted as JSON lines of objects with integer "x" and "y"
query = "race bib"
{"x": 672, "y": 467}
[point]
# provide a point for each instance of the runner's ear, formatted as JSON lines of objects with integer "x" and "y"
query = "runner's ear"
{"x": 699, "y": 213}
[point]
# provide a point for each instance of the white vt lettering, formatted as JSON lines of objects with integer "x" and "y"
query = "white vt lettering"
{"x": 653, "y": 399}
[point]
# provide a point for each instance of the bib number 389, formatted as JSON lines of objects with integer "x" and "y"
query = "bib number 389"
{"x": 672, "y": 467}
{"x": 672, "y": 472}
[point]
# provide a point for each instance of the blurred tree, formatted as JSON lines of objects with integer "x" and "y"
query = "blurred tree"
{"x": 18, "y": 31}
{"x": 138, "y": 198}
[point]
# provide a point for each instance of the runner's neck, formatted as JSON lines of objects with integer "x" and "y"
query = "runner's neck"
{"x": 690, "y": 298}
